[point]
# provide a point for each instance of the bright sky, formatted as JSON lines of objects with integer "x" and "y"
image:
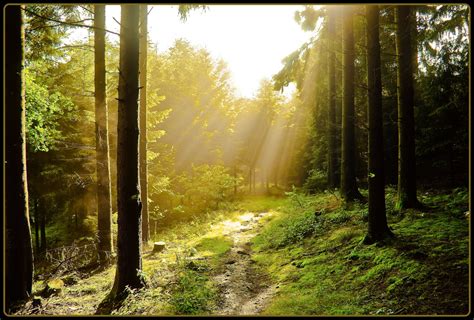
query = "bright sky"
{"x": 252, "y": 39}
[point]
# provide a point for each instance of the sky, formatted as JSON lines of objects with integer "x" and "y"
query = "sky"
{"x": 252, "y": 39}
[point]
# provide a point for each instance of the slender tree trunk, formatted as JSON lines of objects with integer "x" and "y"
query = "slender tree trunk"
{"x": 349, "y": 189}
{"x": 406, "y": 119}
{"x": 43, "y": 230}
{"x": 129, "y": 260}
{"x": 104, "y": 196}
{"x": 143, "y": 121}
{"x": 331, "y": 134}
{"x": 378, "y": 228}
{"x": 37, "y": 219}
{"x": 19, "y": 251}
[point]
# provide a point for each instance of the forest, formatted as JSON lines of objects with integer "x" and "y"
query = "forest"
{"x": 139, "y": 182}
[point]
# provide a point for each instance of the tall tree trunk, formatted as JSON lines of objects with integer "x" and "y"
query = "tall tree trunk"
{"x": 104, "y": 196}
{"x": 129, "y": 260}
{"x": 37, "y": 223}
{"x": 43, "y": 244}
{"x": 19, "y": 251}
{"x": 378, "y": 227}
{"x": 143, "y": 121}
{"x": 349, "y": 190}
{"x": 331, "y": 134}
{"x": 406, "y": 119}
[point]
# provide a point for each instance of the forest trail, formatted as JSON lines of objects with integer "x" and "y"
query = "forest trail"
{"x": 243, "y": 289}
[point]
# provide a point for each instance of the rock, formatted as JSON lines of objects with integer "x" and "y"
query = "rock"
{"x": 158, "y": 246}
{"x": 230, "y": 262}
{"x": 53, "y": 287}
{"x": 243, "y": 252}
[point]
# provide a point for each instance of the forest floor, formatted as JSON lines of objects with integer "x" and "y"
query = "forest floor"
{"x": 298, "y": 255}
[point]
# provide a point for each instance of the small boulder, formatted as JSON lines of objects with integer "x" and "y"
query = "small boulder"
{"x": 159, "y": 246}
{"x": 53, "y": 287}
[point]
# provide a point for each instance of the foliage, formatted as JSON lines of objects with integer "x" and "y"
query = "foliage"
{"x": 45, "y": 111}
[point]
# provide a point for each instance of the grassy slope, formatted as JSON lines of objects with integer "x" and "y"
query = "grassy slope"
{"x": 322, "y": 268}
{"x": 316, "y": 260}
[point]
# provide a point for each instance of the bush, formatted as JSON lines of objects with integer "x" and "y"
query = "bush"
{"x": 316, "y": 181}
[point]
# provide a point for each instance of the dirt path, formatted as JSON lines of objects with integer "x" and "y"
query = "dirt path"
{"x": 243, "y": 289}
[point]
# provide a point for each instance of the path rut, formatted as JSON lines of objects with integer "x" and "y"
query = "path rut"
{"x": 243, "y": 289}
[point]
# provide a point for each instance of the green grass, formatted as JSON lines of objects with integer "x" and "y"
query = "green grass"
{"x": 311, "y": 247}
{"x": 324, "y": 269}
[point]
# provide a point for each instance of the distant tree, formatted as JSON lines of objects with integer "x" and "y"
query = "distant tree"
{"x": 378, "y": 228}
{"x": 349, "y": 189}
{"x": 143, "y": 122}
{"x": 19, "y": 253}
{"x": 129, "y": 242}
{"x": 406, "y": 119}
{"x": 104, "y": 197}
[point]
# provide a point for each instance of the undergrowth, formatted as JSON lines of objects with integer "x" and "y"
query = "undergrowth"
{"x": 313, "y": 249}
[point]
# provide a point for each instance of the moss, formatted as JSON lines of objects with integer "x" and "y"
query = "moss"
{"x": 214, "y": 246}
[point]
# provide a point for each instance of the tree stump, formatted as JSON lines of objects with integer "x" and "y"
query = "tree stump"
{"x": 158, "y": 246}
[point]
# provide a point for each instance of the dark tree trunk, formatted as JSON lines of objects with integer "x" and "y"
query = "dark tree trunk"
{"x": 378, "y": 228}
{"x": 129, "y": 262}
{"x": 43, "y": 244}
{"x": 406, "y": 121}
{"x": 19, "y": 251}
{"x": 349, "y": 190}
{"x": 143, "y": 121}
{"x": 331, "y": 134}
{"x": 104, "y": 197}
{"x": 37, "y": 219}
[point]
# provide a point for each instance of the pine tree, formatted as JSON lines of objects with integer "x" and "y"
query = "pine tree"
{"x": 104, "y": 197}
{"x": 129, "y": 260}
{"x": 143, "y": 121}
{"x": 349, "y": 189}
{"x": 19, "y": 251}
{"x": 406, "y": 118}
{"x": 378, "y": 228}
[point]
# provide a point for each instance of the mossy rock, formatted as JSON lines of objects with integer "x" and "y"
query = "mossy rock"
{"x": 53, "y": 287}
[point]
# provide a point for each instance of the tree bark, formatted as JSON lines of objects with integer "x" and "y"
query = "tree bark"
{"x": 19, "y": 251}
{"x": 331, "y": 133}
{"x": 104, "y": 196}
{"x": 37, "y": 219}
{"x": 349, "y": 190}
{"x": 129, "y": 262}
{"x": 143, "y": 121}
{"x": 43, "y": 244}
{"x": 377, "y": 227}
{"x": 406, "y": 119}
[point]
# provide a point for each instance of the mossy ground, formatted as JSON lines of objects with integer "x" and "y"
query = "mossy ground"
{"x": 322, "y": 267}
{"x": 311, "y": 246}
